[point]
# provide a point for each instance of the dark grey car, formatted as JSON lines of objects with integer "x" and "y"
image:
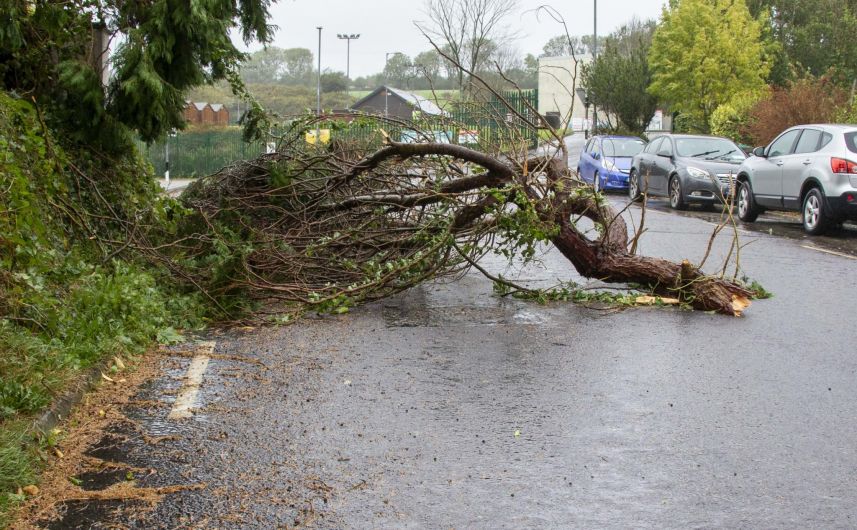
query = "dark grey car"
{"x": 687, "y": 169}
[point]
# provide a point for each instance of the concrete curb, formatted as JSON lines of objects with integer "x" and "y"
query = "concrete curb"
{"x": 62, "y": 404}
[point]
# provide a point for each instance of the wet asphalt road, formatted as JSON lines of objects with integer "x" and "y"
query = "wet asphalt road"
{"x": 448, "y": 407}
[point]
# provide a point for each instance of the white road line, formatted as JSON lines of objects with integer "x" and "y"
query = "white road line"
{"x": 832, "y": 252}
{"x": 182, "y": 408}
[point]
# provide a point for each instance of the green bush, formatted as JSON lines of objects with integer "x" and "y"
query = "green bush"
{"x": 66, "y": 299}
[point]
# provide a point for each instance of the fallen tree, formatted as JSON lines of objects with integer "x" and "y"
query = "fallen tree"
{"x": 326, "y": 228}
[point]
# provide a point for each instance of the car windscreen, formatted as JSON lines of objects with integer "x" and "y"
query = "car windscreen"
{"x": 709, "y": 149}
{"x": 619, "y": 147}
{"x": 851, "y": 141}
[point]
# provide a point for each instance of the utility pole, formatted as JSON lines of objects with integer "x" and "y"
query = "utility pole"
{"x": 167, "y": 161}
{"x": 318, "y": 92}
{"x": 170, "y": 134}
{"x": 348, "y": 38}
{"x": 594, "y": 58}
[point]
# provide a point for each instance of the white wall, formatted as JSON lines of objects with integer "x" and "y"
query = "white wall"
{"x": 557, "y": 85}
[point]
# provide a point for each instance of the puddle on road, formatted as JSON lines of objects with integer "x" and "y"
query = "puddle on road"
{"x": 404, "y": 316}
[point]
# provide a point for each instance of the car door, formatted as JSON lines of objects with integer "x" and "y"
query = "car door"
{"x": 662, "y": 166}
{"x": 595, "y": 155}
{"x": 645, "y": 165}
{"x": 796, "y": 166}
{"x": 585, "y": 163}
{"x": 768, "y": 175}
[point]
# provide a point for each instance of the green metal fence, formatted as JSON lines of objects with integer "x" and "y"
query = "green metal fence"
{"x": 201, "y": 152}
{"x": 502, "y": 122}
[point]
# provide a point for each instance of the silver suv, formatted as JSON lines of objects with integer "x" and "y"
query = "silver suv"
{"x": 810, "y": 168}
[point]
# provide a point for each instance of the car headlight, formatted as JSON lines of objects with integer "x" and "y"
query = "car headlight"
{"x": 610, "y": 165}
{"x": 698, "y": 173}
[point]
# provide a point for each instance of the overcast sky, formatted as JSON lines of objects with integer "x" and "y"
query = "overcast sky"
{"x": 388, "y": 26}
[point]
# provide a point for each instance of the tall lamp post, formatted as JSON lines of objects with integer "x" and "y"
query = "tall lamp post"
{"x": 387, "y": 92}
{"x": 318, "y": 92}
{"x": 594, "y": 58}
{"x": 348, "y": 38}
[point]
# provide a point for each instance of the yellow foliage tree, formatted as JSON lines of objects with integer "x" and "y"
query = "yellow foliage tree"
{"x": 707, "y": 53}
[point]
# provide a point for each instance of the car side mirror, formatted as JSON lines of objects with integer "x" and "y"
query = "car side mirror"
{"x": 760, "y": 152}
{"x": 596, "y": 156}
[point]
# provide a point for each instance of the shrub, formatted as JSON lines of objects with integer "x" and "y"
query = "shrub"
{"x": 808, "y": 100}
{"x": 730, "y": 119}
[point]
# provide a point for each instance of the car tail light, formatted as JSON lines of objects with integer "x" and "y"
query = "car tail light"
{"x": 840, "y": 165}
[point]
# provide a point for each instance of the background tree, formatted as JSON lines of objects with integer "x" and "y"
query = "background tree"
{"x": 465, "y": 28}
{"x": 299, "y": 64}
{"x": 814, "y": 36}
{"x": 45, "y": 46}
{"x": 560, "y": 45}
{"x": 618, "y": 81}
{"x": 429, "y": 63}
{"x": 398, "y": 70}
{"x": 334, "y": 82}
{"x": 704, "y": 54}
{"x": 265, "y": 66}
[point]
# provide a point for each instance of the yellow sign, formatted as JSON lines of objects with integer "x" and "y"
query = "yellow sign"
{"x": 324, "y": 134}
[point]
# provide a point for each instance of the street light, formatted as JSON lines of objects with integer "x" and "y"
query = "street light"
{"x": 387, "y": 92}
{"x": 348, "y": 38}
{"x": 318, "y": 91}
{"x": 594, "y": 57}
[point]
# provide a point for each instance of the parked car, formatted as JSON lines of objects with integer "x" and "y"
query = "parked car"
{"x": 687, "y": 169}
{"x": 606, "y": 161}
{"x": 810, "y": 168}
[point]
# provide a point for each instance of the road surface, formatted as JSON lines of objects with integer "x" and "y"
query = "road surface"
{"x": 448, "y": 407}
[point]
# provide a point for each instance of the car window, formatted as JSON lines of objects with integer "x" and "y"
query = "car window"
{"x": 653, "y": 147}
{"x": 622, "y": 147}
{"x": 851, "y": 141}
{"x": 825, "y": 139}
{"x": 783, "y": 145}
{"x": 809, "y": 141}
{"x": 596, "y": 148}
{"x": 588, "y": 148}
{"x": 666, "y": 149}
{"x": 709, "y": 148}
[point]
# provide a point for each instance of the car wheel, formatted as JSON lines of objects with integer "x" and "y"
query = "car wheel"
{"x": 814, "y": 213}
{"x": 596, "y": 182}
{"x": 676, "y": 194}
{"x": 747, "y": 210}
{"x": 634, "y": 186}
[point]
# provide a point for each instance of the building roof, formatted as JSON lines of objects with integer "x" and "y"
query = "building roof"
{"x": 419, "y": 103}
{"x": 216, "y": 106}
{"x": 199, "y": 104}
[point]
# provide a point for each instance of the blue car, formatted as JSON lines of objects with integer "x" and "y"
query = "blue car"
{"x": 606, "y": 161}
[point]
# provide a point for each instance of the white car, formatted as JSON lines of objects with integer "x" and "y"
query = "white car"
{"x": 807, "y": 168}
